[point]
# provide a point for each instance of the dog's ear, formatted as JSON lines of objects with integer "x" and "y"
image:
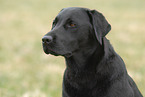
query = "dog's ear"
{"x": 100, "y": 25}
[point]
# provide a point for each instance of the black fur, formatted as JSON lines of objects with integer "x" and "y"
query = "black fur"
{"x": 93, "y": 68}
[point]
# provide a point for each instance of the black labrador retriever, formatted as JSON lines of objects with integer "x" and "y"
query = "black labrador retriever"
{"x": 93, "y": 68}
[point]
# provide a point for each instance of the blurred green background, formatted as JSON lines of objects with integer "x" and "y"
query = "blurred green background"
{"x": 25, "y": 71}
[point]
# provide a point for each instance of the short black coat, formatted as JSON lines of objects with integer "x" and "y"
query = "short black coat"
{"x": 93, "y": 68}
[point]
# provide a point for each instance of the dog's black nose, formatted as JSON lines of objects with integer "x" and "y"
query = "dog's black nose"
{"x": 47, "y": 39}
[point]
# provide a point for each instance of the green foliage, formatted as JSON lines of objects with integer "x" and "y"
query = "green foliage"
{"x": 25, "y": 71}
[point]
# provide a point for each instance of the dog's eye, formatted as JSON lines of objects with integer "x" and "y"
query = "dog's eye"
{"x": 53, "y": 25}
{"x": 54, "y": 22}
{"x": 71, "y": 25}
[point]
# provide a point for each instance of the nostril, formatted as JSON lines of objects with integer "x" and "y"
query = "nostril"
{"x": 43, "y": 40}
{"x": 47, "y": 39}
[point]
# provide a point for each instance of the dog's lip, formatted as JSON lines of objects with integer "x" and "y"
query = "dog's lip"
{"x": 48, "y": 50}
{"x": 68, "y": 55}
{"x": 55, "y": 53}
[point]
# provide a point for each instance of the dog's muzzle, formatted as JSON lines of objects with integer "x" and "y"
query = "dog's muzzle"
{"x": 47, "y": 39}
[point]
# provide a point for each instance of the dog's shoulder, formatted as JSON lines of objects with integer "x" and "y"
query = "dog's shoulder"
{"x": 111, "y": 63}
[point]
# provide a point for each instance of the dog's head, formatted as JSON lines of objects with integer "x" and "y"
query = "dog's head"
{"x": 74, "y": 29}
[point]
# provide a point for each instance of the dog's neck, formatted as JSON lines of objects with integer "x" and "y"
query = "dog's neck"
{"x": 89, "y": 66}
{"x": 83, "y": 59}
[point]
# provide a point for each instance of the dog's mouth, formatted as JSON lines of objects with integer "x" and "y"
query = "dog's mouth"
{"x": 67, "y": 55}
{"x": 48, "y": 50}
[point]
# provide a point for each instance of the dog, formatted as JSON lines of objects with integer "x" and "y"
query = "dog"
{"x": 93, "y": 68}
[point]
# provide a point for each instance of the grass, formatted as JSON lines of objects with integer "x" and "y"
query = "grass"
{"x": 25, "y": 71}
